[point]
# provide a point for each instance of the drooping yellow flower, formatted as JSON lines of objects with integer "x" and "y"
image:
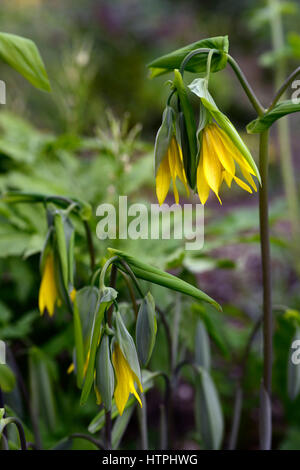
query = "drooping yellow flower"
{"x": 217, "y": 163}
{"x": 171, "y": 166}
{"x": 126, "y": 379}
{"x": 48, "y": 294}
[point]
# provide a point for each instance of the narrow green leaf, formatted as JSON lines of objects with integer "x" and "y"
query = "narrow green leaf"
{"x": 190, "y": 125}
{"x": 265, "y": 420}
{"x": 197, "y": 64}
{"x": 157, "y": 276}
{"x": 62, "y": 246}
{"x": 120, "y": 426}
{"x": 99, "y": 420}
{"x": 105, "y": 380}
{"x": 202, "y": 346}
{"x": 209, "y": 416}
{"x": 127, "y": 345}
{"x": 146, "y": 328}
{"x": 280, "y": 109}
{"x": 79, "y": 347}
{"x": 163, "y": 136}
{"x": 7, "y": 378}
{"x": 104, "y": 301}
{"x": 23, "y": 55}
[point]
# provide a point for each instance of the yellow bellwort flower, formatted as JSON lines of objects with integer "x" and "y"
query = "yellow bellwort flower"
{"x": 171, "y": 167}
{"x": 48, "y": 294}
{"x": 217, "y": 163}
{"x": 126, "y": 379}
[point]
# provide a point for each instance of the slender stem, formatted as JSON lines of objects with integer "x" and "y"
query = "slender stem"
{"x": 285, "y": 145}
{"x": 131, "y": 293}
{"x": 168, "y": 333}
{"x": 288, "y": 81}
{"x": 4, "y": 442}
{"x": 96, "y": 442}
{"x": 32, "y": 412}
{"x": 266, "y": 261}
{"x": 175, "y": 332}
{"x": 132, "y": 275}
{"x": 108, "y": 444}
{"x": 20, "y": 428}
{"x": 142, "y": 415}
{"x": 90, "y": 243}
{"x": 246, "y": 86}
{"x": 238, "y": 401}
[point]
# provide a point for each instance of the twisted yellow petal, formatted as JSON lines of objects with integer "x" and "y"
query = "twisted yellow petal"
{"x": 163, "y": 179}
{"x": 48, "y": 294}
{"x": 211, "y": 165}
{"x": 217, "y": 163}
{"x": 125, "y": 380}
{"x": 170, "y": 167}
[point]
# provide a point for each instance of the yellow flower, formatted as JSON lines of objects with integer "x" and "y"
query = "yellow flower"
{"x": 125, "y": 380}
{"x": 48, "y": 294}
{"x": 171, "y": 166}
{"x": 217, "y": 163}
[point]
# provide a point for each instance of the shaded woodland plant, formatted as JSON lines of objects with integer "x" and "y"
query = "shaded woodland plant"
{"x": 113, "y": 339}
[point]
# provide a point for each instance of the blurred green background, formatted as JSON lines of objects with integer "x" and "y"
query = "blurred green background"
{"x": 92, "y": 138}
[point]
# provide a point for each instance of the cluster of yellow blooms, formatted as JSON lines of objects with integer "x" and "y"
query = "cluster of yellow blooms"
{"x": 217, "y": 161}
{"x": 125, "y": 377}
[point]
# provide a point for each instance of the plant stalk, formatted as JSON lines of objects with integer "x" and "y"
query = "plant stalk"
{"x": 285, "y": 147}
{"x": 266, "y": 261}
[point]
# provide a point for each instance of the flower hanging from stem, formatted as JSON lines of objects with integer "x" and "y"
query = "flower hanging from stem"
{"x": 218, "y": 156}
{"x": 48, "y": 294}
{"x": 126, "y": 380}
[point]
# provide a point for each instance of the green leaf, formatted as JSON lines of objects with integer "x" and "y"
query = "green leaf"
{"x": 7, "y": 378}
{"x": 280, "y": 109}
{"x": 98, "y": 422}
{"x": 23, "y": 55}
{"x": 62, "y": 246}
{"x": 163, "y": 136}
{"x": 209, "y": 416}
{"x": 120, "y": 426}
{"x": 202, "y": 347}
{"x": 41, "y": 386}
{"x": 190, "y": 127}
{"x": 200, "y": 88}
{"x": 105, "y": 379}
{"x": 197, "y": 63}
{"x": 79, "y": 347}
{"x": 104, "y": 301}
{"x": 146, "y": 328}
{"x": 157, "y": 276}
{"x": 127, "y": 345}
{"x": 265, "y": 420}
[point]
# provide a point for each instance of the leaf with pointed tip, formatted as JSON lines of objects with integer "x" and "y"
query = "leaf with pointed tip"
{"x": 22, "y": 55}
{"x": 281, "y": 109}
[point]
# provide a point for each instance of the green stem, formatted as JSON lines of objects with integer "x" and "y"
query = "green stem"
{"x": 90, "y": 244}
{"x": 286, "y": 157}
{"x": 20, "y": 428}
{"x": 79, "y": 435}
{"x": 266, "y": 261}
{"x": 246, "y": 86}
{"x": 280, "y": 93}
{"x": 142, "y": 415}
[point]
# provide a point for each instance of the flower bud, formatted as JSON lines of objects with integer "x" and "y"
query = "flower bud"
{"x": 146, "y": 328}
